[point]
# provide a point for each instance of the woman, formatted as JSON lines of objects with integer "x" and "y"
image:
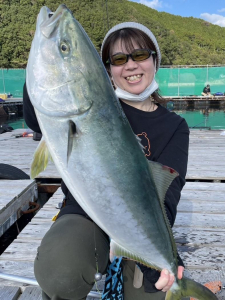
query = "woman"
{"x": 66, "y": 261}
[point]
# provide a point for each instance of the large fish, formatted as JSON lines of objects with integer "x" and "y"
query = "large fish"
{"x": 95, "y": 150}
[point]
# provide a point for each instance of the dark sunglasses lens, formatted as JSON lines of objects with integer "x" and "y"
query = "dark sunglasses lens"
{"x": 140, "y": 55}
{"x": 118, "y": 59}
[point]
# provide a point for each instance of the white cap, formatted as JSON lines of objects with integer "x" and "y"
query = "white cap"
{"x": 141, "y": 28}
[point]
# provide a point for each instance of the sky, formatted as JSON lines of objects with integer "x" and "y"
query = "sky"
{"x": 212, "y": 11}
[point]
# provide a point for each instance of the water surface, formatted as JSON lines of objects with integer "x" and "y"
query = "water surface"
{"x": 198, "y": 117}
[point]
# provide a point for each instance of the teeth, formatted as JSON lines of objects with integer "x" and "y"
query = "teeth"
{"x": 133, "y": 78}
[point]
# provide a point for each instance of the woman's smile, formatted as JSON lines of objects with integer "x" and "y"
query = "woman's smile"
{"x": 134, "y": 78}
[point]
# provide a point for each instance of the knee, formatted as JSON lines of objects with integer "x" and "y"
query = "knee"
{"x": 65, "y": 264}
{"x": 63, "y": 281}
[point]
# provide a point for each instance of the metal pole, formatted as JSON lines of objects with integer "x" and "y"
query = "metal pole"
{"x": 34, "y": 282}
{"x": 207, "y": 76}
{"x": 107, "y": 14}
{"x": 3, "y": 81}
{"x": 178, "y": 81}
{"x": 18, "y": 278}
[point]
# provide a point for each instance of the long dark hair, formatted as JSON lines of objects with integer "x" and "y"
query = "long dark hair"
{"x": 128, "y": 36}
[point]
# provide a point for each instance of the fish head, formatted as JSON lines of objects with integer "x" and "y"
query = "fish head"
{"x": 63, "y": 66}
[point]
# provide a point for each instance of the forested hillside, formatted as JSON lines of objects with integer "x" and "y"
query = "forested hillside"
{"x": 183, "y": 41}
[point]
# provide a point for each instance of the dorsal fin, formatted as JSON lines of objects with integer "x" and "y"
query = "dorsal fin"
{"x": 163, "y": 177}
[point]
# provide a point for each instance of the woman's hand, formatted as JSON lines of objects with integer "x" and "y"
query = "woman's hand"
{"x": 166, "y": 279}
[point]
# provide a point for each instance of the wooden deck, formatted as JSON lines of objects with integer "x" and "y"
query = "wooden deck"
{"x": 199, "y": 229}
{"x": 195, "y": 98}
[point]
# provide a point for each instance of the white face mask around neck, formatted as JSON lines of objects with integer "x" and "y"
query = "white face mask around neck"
{"x": 141, "y": 97}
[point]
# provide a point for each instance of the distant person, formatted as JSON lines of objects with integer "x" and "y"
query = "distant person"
{"x": 206, "y": 91}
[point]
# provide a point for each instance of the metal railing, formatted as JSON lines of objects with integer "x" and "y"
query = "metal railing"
{"x": 34, "y": 282}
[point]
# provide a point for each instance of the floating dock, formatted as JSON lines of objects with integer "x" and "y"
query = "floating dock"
{"x": 15, "y": 105}
{"x": 199, "y": 229}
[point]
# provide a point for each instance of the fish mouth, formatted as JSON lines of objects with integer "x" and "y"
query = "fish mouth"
{"x": 49, "y": 20}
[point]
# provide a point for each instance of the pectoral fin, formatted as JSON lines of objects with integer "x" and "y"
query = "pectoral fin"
{"x": 40, "y": 159}
{"x": 71, "y": 133}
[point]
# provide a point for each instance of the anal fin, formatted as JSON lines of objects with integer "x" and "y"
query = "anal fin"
{"x": 120, "y": 251}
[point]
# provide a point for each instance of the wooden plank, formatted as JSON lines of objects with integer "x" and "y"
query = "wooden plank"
{"x": 210, "y": 187}
{"x": 9, "y": 292}
{"x": 197, "y": 237}
{"x": 208, "y": 197}
{"x": 194, "y": 175}
{"x": 201, "y": 207}
{"x": 31, "y": 293}
{"x": 19, "y": 268}
{"x": 18, "y": 258}
{"x": 199, "y": 220}
{"x": 15, "y": 197}
{"x": 22, "y": 149}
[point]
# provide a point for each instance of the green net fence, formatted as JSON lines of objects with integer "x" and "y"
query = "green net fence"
{"x": 12, "y": 81}
{"x": 188, "y": 81}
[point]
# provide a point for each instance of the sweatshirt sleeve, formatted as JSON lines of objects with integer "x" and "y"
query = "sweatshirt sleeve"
{"x": 29, "y": 113}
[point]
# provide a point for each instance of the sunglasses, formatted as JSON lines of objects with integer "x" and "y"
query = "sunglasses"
{"x": 137, "y": 55}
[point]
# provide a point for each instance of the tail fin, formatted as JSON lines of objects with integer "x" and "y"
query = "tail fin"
{"x": 190, "y": 288}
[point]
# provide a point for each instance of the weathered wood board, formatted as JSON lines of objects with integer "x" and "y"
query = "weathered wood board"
{"x": 9, "y": 292}
{"x": 20, "y": 152}
{"x": 15, "y": 292}
{"x": 15, "y": 196}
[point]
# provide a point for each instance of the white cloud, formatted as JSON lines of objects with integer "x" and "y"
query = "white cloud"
{"x": 153, "y": 4}
{"x": 214, "y": 19}
{"x": 221, "y": 10}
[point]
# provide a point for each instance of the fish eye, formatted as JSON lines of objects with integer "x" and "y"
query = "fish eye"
{"x": 65, "y": 48}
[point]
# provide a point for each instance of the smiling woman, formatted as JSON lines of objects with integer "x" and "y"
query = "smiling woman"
{"x": 132, "y": 59}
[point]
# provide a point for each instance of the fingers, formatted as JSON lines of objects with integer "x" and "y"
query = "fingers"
{"x": 180, "y": 272}
{"x": 165, "y": 281}
{"x": 111, "y": 256}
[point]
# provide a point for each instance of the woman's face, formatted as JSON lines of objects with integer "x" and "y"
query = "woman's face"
{"x": 133, "y": 77}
